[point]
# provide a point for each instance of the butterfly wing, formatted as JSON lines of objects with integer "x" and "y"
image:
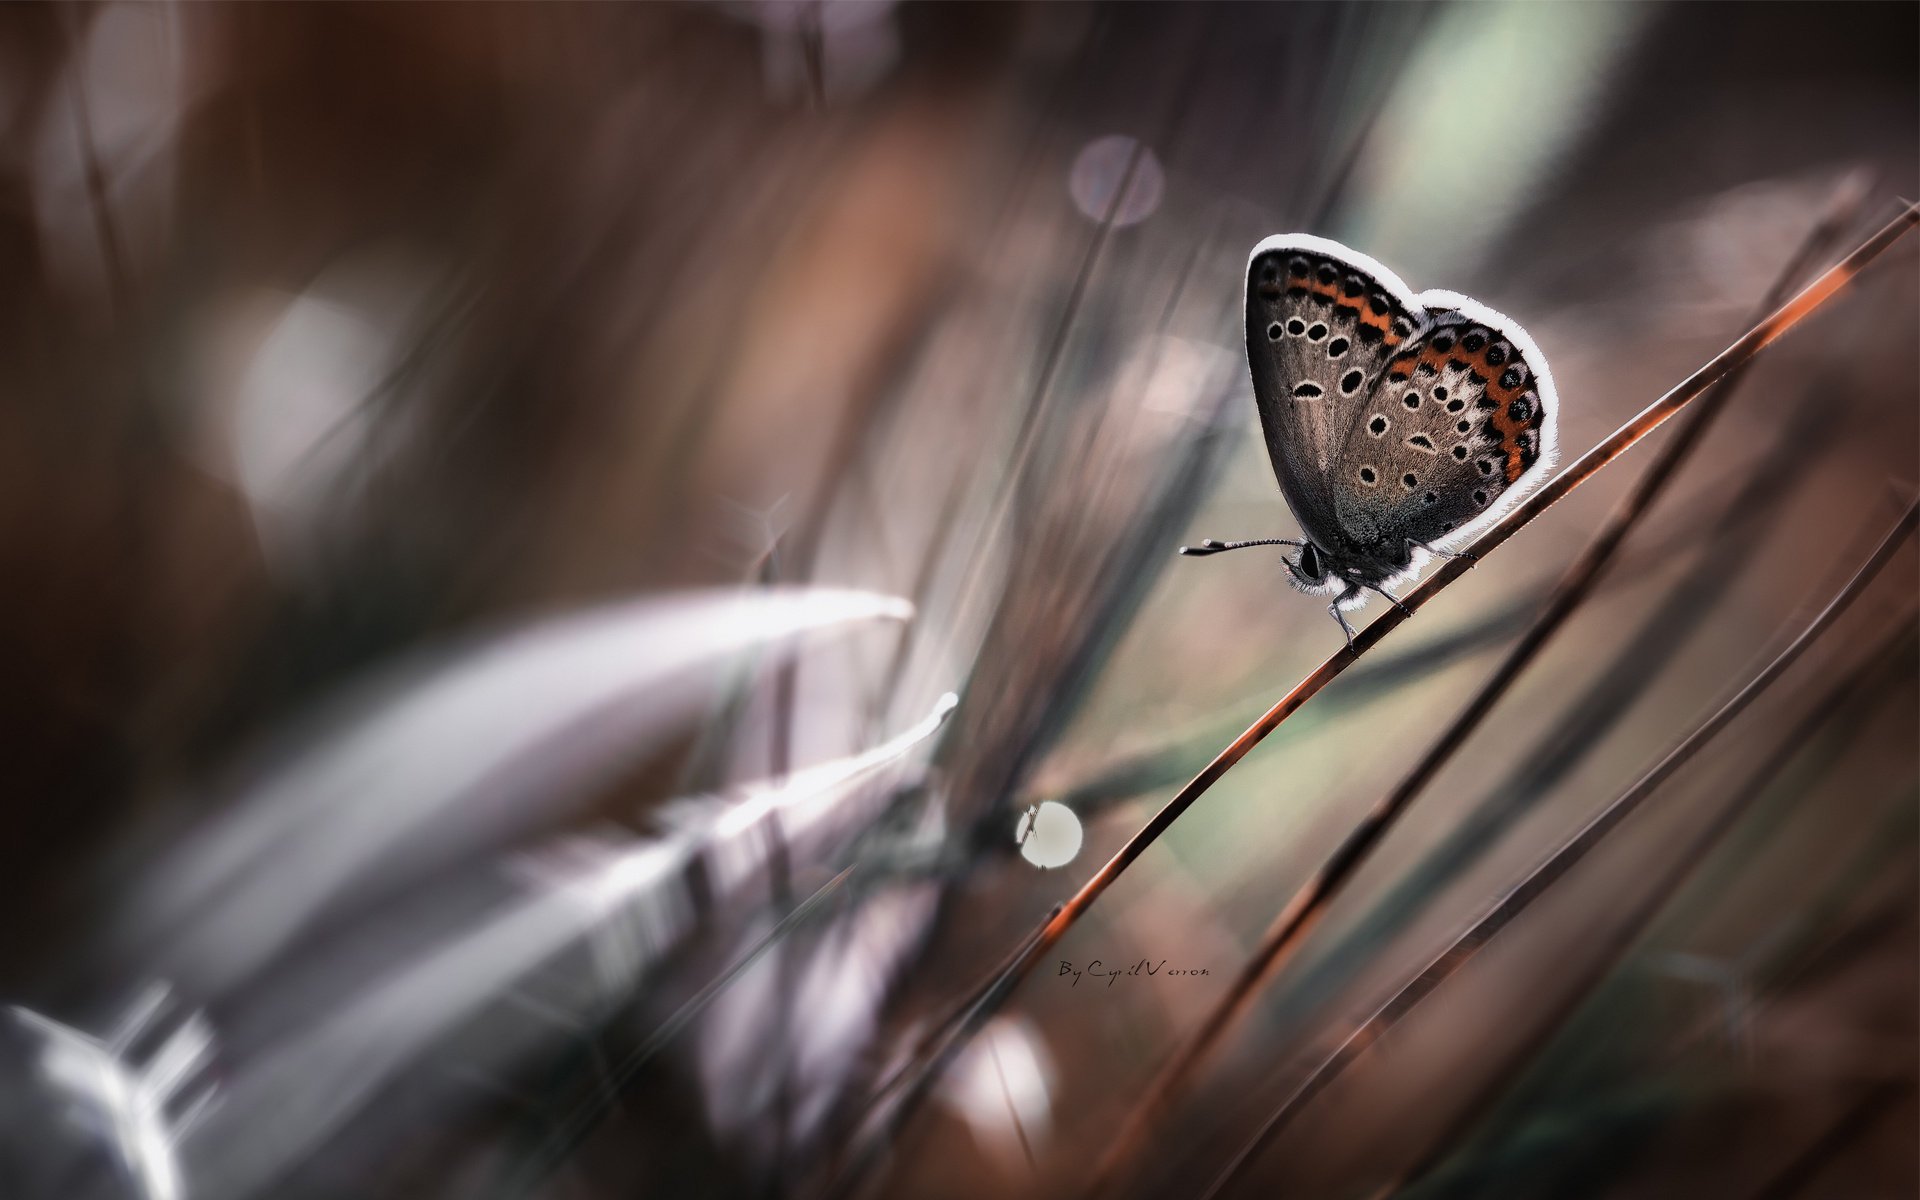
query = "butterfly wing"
{"x": 1460, "y": 426}
{"x": 1322, "y": 324}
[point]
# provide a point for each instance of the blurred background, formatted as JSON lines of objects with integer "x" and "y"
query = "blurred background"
{"x": 551, "y": 552}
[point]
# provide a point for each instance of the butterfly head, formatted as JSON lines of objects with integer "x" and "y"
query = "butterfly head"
{"x": 1309, "y": 568}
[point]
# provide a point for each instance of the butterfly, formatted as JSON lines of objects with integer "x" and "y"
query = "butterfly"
{"x": 1397, "y": 424}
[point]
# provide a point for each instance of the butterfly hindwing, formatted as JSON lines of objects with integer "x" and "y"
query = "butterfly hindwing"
{"x": 1322, "y": 325}
{"x": 1460, "y": 425}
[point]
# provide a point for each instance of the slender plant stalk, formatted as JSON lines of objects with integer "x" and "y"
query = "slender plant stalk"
{"x": 1304, "y": 910}
{"x": 869, "y": 1143}
{"x": 1462, "y": 949}
{"x": 1616, "y": 941}
{"x": 1165, "y": 764}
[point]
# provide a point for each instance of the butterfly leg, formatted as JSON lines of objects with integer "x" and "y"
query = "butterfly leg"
{"x": 1444, "y": 553}
{"x": 1334, "y": 610}
{"x": 1215, "y": 546}
{"x": 1372, "y": 587}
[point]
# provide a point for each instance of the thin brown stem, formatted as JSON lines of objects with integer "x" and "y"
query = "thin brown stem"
{"x": 1616, "y": 941}
{"x": 1822, "y": 289}
{"x": 1462, "y": 949}
{"x": 1303, "y": 911}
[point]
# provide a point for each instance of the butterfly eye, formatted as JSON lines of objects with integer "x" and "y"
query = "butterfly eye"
{"x": 1443, "y": 343}
{"x": 1521, "y": 409}
{"x": 1316, "y": 331}
{"x": 1460, "y": 452}
{"x": 1486, "y": 466}
{"x": 1429, "y": 498}
{"x": 1456, "y": 404}
{"x": 1296, "y": 327}
{"x": 1326, "y": 273}
{"x": 1367, "y": 476}
{"x": 1307, "y": 391}
{"x": 1440, "y": 393}
{"x": 1377, "y": 426}
{"x": 1337, "y": 347}
{"x": 1421, "y": 441}
{"x": 1350, "y": 382}
{"x": 1411, "y": 400}
{"x": 1273, "y": 332}
{"x": 1479, "y": 497}
{"x": 1410, "y": 480}
{"x": 1473, "y": 341}
{"x": 1512, "y": 378}
{"x": 1496, "y": 354}
{"x": 1297, "y": 268}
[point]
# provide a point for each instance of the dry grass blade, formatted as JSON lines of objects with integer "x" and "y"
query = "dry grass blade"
{"x": 869, "y": 1142}
{"x": 1460, "y": 951}
{"x": 1310, "y": 902}
{"x": 1616, "y": 941}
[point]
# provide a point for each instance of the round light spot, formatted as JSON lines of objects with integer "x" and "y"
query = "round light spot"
{"x": 1049, "y": 835}
{"x": 1098, "y": 171}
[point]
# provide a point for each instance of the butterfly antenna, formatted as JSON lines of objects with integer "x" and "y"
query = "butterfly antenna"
{"x": 1215, "y": 546}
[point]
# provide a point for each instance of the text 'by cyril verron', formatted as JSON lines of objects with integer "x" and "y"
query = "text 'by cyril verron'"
{"x": 1145, "y": 966}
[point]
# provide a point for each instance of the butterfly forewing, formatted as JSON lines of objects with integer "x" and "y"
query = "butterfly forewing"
{"x": 1322, "y": 325}
{"x": 1459, "y": 425}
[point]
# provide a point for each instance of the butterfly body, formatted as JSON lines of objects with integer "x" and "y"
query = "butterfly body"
{"x": 1397, "y": 423}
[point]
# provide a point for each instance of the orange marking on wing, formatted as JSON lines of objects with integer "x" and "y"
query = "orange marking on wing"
{"x": 1502, "y": 420}
{"x": 1508, "y": 428}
